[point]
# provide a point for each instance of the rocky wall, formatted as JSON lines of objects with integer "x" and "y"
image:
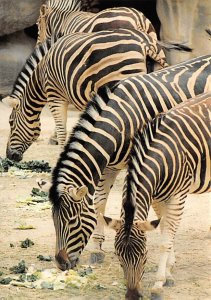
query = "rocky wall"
{"x": 185, "y": 22}
{"x": 15, "y": 44}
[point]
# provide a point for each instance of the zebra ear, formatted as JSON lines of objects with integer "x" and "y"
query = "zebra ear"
{"x": 78, "y": 193}
{"x": 147, "y": 225}
{"x": 44, "y": 10}
{"x": 112, "y": 223}
{"x": 10, "y": 101}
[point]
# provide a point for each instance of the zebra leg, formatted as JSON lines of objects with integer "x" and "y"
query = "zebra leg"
{"x": 159, "y": 208}
{"x": 58, "y": 109}
{"x": 53, "y": 138}
{"x": 101, "y": 195}
{"x": 171, "y": 214}
{"x": 169, "y": 267}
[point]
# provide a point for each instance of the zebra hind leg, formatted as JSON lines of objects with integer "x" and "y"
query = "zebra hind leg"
{"x": 58, "y": 108}
{"x": 53, "y": 139}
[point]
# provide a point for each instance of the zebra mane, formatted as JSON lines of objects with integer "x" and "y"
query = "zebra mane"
{"x": 76, "y": 139}
{"x": 90, "y": 115}
{"x": 30, "y": 65}
{"x": 145, "y": 135}
{"x": 141, "y": 141}
{"x": 66, "y": 5}
{"x": 129, "y": 206}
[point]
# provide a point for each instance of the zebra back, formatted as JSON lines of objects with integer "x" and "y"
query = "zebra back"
{"x": 170, "y": 154}
{"x": 57, "y": 20}
{"x": 130, "y": 105}
{"x": 86, "y": 62}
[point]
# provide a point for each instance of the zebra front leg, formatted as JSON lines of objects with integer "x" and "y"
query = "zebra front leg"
{"x": 58, "y": 109}
{"x": 169, "y": 267}
{"x": 159, "y": 208}
{"x": 101, "y": 195}
{"x": 171, "y": 217}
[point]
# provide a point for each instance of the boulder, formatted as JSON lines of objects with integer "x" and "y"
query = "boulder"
{"x": 14, "y": 50}
{"x": 16, "y": 15}
{"x": 185, "y": 22}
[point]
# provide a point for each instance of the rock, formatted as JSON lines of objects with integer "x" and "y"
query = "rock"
{"x": 14, "y": 50}
{"x": 185, "y": 22}
{"x": 155, "y": 296}
{"x": 97, "y": 257}
{"x": 17, "y": 15}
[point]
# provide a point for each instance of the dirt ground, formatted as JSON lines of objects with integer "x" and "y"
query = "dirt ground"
{"x": 192, "y": 271}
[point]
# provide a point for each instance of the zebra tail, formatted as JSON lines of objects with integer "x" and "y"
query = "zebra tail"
{"x": 208, "y": 31}
{"x": 175, "y": 46}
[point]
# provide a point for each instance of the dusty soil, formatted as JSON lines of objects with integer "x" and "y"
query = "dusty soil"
{"x": 192, "y": 271}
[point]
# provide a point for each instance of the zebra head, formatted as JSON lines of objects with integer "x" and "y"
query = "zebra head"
{"x": 74, "y": 221}
{"x": 24, "y": 130}
{"x": 130, "y": 248}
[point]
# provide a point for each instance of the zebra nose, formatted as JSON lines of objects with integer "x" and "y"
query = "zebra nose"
{"x": 14, "y": 155}
{"x": 62, "y": 260}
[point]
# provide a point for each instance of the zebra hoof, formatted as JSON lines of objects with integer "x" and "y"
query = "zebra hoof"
{"x": 156, "y": 296}
{"x": 208, "y": 236}
{"x": 97, "y": 257}
{"x": 169, "y": 282}
{"x": 53, "y": 141}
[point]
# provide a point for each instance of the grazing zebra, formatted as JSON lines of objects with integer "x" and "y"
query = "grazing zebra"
{"x": 68, "y": 72}
{"x": 60, "y": 18}
{"x": 99, "y": 146}
{"x": 170, "y": 158}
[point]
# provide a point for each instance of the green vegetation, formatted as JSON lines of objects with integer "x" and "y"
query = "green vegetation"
{"x": 33, "y": 165}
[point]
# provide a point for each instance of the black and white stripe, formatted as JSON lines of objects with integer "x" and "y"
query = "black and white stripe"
{"x": 69, "y": 71}
{"x": 101, "y": 142}
{"x": 62, "y": 17}
{"x": 170, "y": 158}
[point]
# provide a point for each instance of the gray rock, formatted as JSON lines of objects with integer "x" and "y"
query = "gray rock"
{"x": 17, "y": 15}
{"x": 97, "y": 257}
{"x": 14, "y": 50}
{"x": 185, "y": 22}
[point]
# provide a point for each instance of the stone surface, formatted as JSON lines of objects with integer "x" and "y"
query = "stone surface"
{"x": 97, "y": 257}
{"x": 185, "y": 22}
{"x": 17, "y": 15}
{"x": 14, "y": 50}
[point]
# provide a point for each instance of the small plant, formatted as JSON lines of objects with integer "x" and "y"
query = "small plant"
{"x": 26, "y": 243}
{"x": 20, "y": 268}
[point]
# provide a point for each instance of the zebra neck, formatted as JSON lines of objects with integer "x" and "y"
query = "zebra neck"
{"x": 77, "y": 166}
{"x": 29, "y": 75}
{"x": 33, "y": 100}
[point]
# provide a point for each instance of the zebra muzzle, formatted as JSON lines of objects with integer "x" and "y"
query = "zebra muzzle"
{"x": 14, "y": 155}
{"x": 133, "y": 294}
{"x": 63, "y": 262}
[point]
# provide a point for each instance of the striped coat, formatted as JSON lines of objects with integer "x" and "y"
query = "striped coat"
{"x": 59, "y": 18}
{"x": 101, "y": 143}
{"x": 69, "y": 71}
{"x": 170, "y": 158}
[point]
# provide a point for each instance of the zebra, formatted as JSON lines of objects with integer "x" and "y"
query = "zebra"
{"x": 63, "y": 17}
{"x": 69, "y": 71}
{"x": 99, "y": 146}
{"x": 170, "y": 158}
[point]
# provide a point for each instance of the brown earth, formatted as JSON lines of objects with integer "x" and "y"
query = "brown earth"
{"x": 192, "y": 271}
